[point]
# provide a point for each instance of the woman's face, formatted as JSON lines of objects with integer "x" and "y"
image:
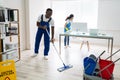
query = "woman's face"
{"x": 71, "y": 18}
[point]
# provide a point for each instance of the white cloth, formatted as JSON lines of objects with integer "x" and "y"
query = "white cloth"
{"x": 46, "y": 20}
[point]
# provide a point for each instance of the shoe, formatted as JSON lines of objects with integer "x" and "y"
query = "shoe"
{"x": 65, "y": 46}
{"x": 34, "y": 55}
{"x": 46, "y": 57}
{"x": 68, "y": 46}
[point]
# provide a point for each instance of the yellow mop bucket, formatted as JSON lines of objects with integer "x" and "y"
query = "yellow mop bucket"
{"x": 7, "y": 70}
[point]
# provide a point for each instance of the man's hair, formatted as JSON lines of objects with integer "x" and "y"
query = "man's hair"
{"x": 48, "y": 9}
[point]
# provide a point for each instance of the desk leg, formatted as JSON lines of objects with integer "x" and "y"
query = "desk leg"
{"x": 111, "y": 48}
{"x": 60, "y": 44}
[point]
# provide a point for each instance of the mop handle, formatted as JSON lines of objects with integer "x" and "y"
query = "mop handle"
{"x": 58, "y": 54}
{"x": 56, "y": 49}
{"x": 112, "y": 54}
{"x": 100, "y": 55}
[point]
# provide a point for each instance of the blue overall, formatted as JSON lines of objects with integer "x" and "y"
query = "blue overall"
{"x": 66, "y": 39}
{"x": 39, "y": 34}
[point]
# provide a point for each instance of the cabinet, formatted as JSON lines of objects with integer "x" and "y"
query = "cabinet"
{"x": 9, "y": 34}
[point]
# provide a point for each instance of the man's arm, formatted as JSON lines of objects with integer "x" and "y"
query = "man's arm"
{"x": 52, "y": 33}
{"x": 39, "y": 26}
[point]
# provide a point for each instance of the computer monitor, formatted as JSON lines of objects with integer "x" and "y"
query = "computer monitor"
{"x": 81, "y": 27}
{"x": 93, "y": 31}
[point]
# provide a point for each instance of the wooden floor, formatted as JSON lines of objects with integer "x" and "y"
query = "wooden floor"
{"x": 37, "y": 68}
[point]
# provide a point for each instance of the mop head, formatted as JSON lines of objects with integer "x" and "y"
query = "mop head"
{"x": 64, "y": 68}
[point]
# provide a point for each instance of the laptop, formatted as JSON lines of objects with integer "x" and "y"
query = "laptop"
{"x": 93, "y": 31}
{"x": 79, "y": 27}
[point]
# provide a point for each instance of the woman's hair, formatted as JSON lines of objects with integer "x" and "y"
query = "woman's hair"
{"x": 69, "y": 17}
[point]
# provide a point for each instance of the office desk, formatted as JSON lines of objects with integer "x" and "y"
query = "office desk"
{"x": 87, "y": 35}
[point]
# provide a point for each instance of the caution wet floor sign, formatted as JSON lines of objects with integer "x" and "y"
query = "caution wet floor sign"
{"x": 7, "y": 70}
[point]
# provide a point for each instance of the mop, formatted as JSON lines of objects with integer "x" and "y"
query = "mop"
{"x": 65, "y": 67}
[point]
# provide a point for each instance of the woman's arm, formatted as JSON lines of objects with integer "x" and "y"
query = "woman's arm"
{"x": 66, "y": 27}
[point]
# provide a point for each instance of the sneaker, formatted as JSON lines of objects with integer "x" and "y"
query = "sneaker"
{"x": 46, "y": 57}
{"x": 68, "y": 46}
{"x": 34, "y": 55}
{"x": 65, "y": 46}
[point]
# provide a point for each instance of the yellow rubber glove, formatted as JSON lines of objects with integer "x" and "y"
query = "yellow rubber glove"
{"x": 66, "y": 29}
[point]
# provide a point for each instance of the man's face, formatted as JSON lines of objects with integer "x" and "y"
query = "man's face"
{"x": 48, "y": 14}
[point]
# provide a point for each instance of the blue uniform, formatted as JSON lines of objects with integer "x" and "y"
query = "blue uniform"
{"x": 66, "y": 39}
{"x": 39, "y": 34}
{"x": 67, "y": 26}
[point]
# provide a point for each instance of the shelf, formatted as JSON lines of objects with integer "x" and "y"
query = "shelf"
{"x": 14, "y": 22}
{"x": 9, "y": 50}
{"x": 3, "y": 23}
{"x": 9, "y": 33}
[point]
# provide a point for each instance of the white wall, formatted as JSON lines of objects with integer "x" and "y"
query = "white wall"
{"x": 18, "y": 4}
{"x": 27, "y": 20}
{"x": 85, "y": 11}
{"x": 34, "y": 9}
{"x": 109, "y": 14}
{"x": 109, "y": 18}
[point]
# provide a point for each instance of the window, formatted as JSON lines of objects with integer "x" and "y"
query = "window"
{"x": 83, "y": 10}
